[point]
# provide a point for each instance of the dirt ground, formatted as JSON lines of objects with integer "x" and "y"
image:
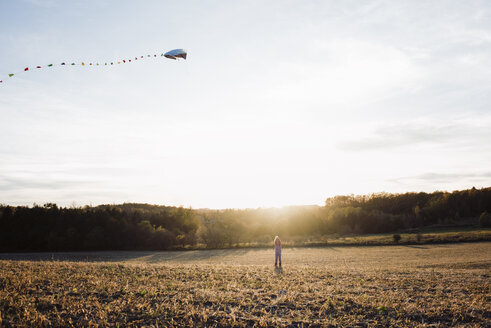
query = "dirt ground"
{"x": 404, "y": 286}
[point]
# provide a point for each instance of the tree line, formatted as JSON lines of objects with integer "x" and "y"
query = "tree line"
{"x": 152, "y": 227}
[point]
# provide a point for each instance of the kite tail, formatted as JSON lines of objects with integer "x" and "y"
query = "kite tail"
{"x": 86, "y": 63}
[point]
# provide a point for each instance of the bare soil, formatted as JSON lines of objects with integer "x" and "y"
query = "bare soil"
{"x": 400, "y": 286}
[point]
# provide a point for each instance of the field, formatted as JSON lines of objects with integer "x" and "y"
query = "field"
{"x": 404, "y": 286}
{"x": 426, "y": 236}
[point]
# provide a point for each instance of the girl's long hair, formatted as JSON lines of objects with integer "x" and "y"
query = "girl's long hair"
{"x": 276, "y": 238}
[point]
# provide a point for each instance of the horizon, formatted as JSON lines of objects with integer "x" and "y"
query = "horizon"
{"x": 73, "y": 205}
{"x": 277, "y": 104}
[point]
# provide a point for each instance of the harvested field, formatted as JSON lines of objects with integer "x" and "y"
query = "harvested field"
{"x": 405, "y": 286}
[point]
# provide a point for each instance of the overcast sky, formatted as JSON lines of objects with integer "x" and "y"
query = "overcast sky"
{"x": 279, "y": 102}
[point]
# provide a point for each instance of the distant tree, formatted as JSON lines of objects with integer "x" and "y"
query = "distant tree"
{"x": 142, "y": 226}
{"x": 485, "y": 219}
{"x": 145, "y": 225}
{"x": 213, "y": 233}
{"x": 50, "y": 206}
{"x": 163, "y": 239}
{"x": 94, "y": 240}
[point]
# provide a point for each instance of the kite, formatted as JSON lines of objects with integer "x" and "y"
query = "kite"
{"x": 173, "y": 54}
{"x": 176, "y": 53}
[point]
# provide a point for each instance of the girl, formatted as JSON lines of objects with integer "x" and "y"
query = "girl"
{"x": 277, "y": 251}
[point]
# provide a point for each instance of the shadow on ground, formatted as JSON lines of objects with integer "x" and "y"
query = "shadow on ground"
{"x": 134, "y": 256}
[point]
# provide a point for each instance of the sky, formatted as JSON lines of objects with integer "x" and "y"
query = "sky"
{"x": 279, "y": 102}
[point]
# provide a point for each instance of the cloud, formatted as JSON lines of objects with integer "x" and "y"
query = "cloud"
{"x": 29, "y": 188}
{"x": 464, "y": 134}
{"x": 390, "y": 78}
{"x": 15, "y": 183}
{"x": 433, "y": 177}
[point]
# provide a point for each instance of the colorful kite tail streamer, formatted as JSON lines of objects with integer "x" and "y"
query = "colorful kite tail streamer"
{"x": 173, "y": 54}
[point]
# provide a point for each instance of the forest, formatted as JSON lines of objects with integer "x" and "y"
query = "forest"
{"x": 151, "y": 227}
